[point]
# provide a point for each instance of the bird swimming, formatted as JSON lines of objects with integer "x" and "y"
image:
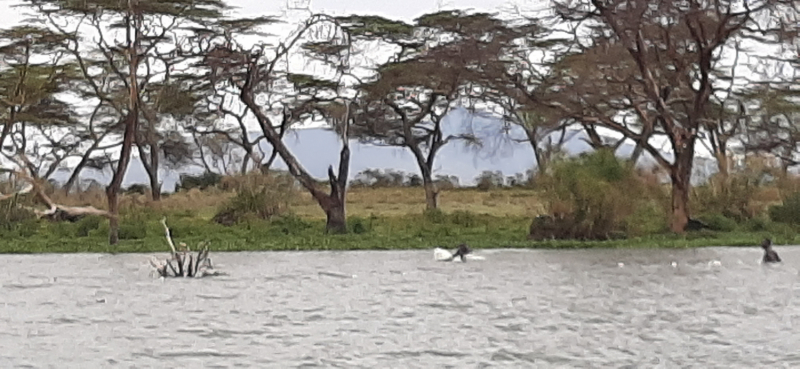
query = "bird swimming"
{"x": 770, "y": 256}
{"x": 463, "y": 252}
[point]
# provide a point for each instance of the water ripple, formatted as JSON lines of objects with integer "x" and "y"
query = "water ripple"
{"x": 712, "y": 308}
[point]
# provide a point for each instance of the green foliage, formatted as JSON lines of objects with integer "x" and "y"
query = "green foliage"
{"x": 303, "y": 81}
{"x": 196, "y": 9}
{"x": 15, "y": 220}
{"x": 359, "y": 225}
{"x": 259, "y": 196}
{"x": 788, "y": 212}
{"x": 488, "y": 180}
{"x": 718, "y": 222}
{"x": 202, "y": 181}
{"x": 143, "y": 233}
{"x": 370, "y": 25}
{"x": 86, "y": 225}
{"x": 597, "y": 196}
{"x": 290, "y": 224}
{"x": 435, "y": 216}
{"x": 729, "y": 196}
{"x": 462, "y": 22}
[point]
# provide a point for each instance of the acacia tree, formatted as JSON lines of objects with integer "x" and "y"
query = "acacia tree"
{"x": 33, "y": 76}
{"x": 260, "y": 71}
{"x": 507, "y": 79}
{"x": 773, "y": 124}
{"x": 423, "y": 80}
{"x": 674, "y": 48}
{"x": 167, "y": 105}
{"x": 126, "y": 36}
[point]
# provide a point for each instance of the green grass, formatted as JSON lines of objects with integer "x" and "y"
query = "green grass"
{"x": 141, "y": 232}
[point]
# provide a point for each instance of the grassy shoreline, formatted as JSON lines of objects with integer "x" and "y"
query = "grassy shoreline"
{"x": 236, "y": 239}
{"x": 379, "y": 219}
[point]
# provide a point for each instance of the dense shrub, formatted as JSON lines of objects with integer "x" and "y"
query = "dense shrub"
{"x": 718, "y": 222}
{"x": 598, "y": 196}
{"x": 788, "y": 212}
{"x": 257, "y": 195}
{"x": 289, "y": 223}
{"x": 488, "y": 180}
{"x": 202, "y": 181}
{"x": 731, "y": 196}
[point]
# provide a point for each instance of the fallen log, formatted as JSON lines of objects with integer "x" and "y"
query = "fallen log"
{"x": 55, "y": 212}
{"x": 181, "y": 262}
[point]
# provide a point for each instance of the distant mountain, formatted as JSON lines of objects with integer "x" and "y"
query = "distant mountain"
{"x": 317, "y": 148}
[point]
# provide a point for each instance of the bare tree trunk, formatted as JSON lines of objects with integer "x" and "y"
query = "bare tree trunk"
{"x": 431, "y": 193}
{"x": 266, "y": 166}
{"x": 113, "y": 220}
{"x": 637, "y": 152}
{"x": 248, "y": 154}
{"x": 332, "y": 204}
{"x": 335, "y": 212}
{"x": 426, "y": 170}
{"x": 155, "y": 185}
{"x": 680, "y": 174}
{"x": 541, "y": 162}
{"x": 150, "y": 163}
{"x": 112, "y": 191}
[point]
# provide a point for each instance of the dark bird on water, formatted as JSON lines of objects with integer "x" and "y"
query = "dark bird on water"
{"x": 770, "y": 256}
{"x": 462, "y": 251}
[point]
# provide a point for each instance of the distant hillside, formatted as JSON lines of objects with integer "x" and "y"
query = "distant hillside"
{"x": 317, "y": 148}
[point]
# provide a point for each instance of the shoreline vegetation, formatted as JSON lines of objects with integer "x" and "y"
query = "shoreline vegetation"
{"x": 181, "y": 84}
{"x": 257, "y": 212}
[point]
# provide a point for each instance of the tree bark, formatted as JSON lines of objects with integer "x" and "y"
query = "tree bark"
{"x": 431, "y": 193}
{"x": 112, "y": 194}
{"x": 335, "y": 203}
{"x": 112, "y": 191}
{"x": 680, "y": 174}
{"x": 150, "y": 163}
{"x": 332, "y": 204}
{"x": 541, "y": 162}
{"x": 155, "y": 185}
{"x": 334, "y": 207}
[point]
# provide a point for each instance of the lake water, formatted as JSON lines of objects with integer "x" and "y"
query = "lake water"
{"x": 716, "y": 308}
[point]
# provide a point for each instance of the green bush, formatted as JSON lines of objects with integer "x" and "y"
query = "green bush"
{"x": 202, "y": 181}
{"x": 435, "y": 216}
{"x": 718, "y": 222}
{"x": 788, "y": 212}
{"x": 257, "y": 195}
{"x": 132, "y": 231}
{"x": 290, "y": 223}
{"x": 758, "y": 224}
{"x": 647, "y": 219}
{"x": 359, "y": 225}
{"x": 729, "y": 196}
{"x": 597, "y": 196}
{"x": 86, "y": 225}
{"x": 464, "y": 218}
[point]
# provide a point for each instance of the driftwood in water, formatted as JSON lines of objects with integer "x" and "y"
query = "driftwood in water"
{"x": 181, "y": 262}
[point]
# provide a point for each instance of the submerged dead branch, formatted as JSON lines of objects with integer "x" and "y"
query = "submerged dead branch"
{"x": 181, "y": 262}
